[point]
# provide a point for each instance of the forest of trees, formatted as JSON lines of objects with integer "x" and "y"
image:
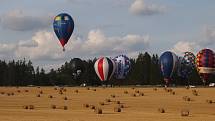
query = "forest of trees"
{"x": 144, "y": 71}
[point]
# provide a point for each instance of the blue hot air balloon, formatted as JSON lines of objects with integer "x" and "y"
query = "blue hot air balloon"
{"x": 168, "y": 63}
{"x": 63, "y": 27}
{"x": 123, "y": 66}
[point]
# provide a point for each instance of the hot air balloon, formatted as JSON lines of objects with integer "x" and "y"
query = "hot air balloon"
{"x": 63, "y": 27}
{"x": 190, "y": 59}
{"x": 104, "y": 68}
{"x": 168, "y": 63}
{"x": 77, "y": 68}
{"x": 186, "y": 65}
{"x": 123, "y": 66}
{"x": 205, "y": 62}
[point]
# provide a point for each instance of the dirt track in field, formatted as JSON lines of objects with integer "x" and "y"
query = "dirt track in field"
{"x": 139, "y": 108}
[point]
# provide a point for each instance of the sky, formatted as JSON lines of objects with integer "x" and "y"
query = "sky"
{"x": 104, "y": 28}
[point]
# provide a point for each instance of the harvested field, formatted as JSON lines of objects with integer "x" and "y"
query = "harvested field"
{"x": 139, "y": 108}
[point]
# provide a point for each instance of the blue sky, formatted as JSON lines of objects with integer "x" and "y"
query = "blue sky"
{"x": 104, "y": 28}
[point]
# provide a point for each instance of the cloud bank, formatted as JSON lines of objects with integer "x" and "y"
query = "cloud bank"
{"x": 139, "y": 7}
{"x": 44, "y": 46}
{"x": 208, "y": 41}
{"x": 17, "y": 20}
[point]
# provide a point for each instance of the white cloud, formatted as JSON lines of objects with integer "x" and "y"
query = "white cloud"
{"x": 209, "y": 33}
{"x": 139, "y": 7}
{"x": 206, "y": 41}
{"x": 17, "y": 20}
{"x": 6, "y": 51}
{"x": 44, "y": 46}
{"x": 183, "y": 46}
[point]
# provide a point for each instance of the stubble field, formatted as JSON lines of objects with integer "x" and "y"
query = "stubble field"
{"x": 136, "y": 104}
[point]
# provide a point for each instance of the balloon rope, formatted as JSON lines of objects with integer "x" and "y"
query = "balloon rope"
{"x": 63, "y": 49}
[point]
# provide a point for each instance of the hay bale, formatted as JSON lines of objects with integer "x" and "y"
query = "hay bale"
{"x": 141, "y": 94}
{"x": 38, "y": 95}
{"x": 76, "y": 91}
{"x": 8, "y": 94}
{"x": 113, "y": 96}
{"x": 101, "y": 103}
{"x": 107, "y": 100}
{"x": 133, "y": 88}
{"x": 2, "y": 93}
{"x": 133, "y": 95}
{"x": 86, "y": 105}
{"x": 94, "y": 90}
{"x": 50, "y": 96}
{"x": 173, "y": 93}
{"x": 88, "y": 88}
{"x": 60, "y": 92}
{"x": 55, "y": 88}
{"x": 186, "y": 98}
{"x": 121, "y": 106}
{"x": 118, "y": 102}
{"x": 185, "y": 112}
{"x": 161, "y": 110}
{"x": 155, "y": 89}
{"x": 18, "y": 91}
{"x": 31, "y": 107}
{"x": 98, "y": 111}
{"x": 209, "y": 101}
{"x": 92, "y": 107}
{"x": 117, "y": 109}
{"x": 65, "y": 98}
{"x": 195, "y": 94}
{"x": 194, "y": 91}
{"x": 137, "y": 91}
{"x": 12, "y": 93}
{"x": 169, "y": 90}
{"x": 125, "y": 92}
{"x": 41, "y": 92}
{"x": 26, "y": 90}
{"x": 25, "y": 107}
{"x": 53, "y": 106}
{"x": 64, "y": 90}
{"x": 65, "y": 107}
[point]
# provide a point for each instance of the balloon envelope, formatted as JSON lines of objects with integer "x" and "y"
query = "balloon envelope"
{"x": 123, "y": 66}
{"x": 104, "y": 68}
{"x": 190, "y": 59}
{"x": 168, "y": 64}
{"x": 205, "y": 62}
{"x": 77, "y": 68}
{"x": 186, "y": 65}
{"x": 63, "y": 27}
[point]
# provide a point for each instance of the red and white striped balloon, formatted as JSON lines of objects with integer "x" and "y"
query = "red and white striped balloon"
{"x": 105, "y": 68}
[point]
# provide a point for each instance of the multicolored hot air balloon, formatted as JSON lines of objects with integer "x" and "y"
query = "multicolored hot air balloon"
{"x": 104, "y": 68}
{"x": 205, "y": 62}
{"x": 63, "y": 27}
{"x": 186, "y": 65}
{"x": 168, "y": 63}
{"x": 190, "y": 59}
{"x": 77, "y": 67}
{"x": 123, "y": 66}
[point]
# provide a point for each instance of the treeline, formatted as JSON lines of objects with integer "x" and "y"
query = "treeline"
{"x": 145, "y": 70}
